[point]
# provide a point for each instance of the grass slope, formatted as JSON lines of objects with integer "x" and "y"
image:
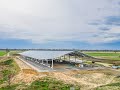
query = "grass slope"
{"x": 50, "y": 84}
{"x": 112, "y": 86}
{"x": 42, "y": 84}
{"x": 7, "y": 68}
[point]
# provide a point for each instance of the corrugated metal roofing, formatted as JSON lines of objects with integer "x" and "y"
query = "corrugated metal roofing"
{"x": 44, "y": 54}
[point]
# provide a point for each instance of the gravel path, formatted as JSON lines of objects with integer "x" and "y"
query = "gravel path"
{"x": 21, "y": 64}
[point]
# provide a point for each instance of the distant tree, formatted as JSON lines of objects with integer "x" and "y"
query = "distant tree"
{"x": 7, "y": 50}
{"x": 115, "y": 51}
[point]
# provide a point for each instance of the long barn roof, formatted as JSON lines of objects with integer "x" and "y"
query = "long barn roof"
{"x": 44, "y": 54}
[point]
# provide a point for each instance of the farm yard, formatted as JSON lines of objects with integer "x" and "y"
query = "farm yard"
{"x": 59, "y": 44}
{"x": 24, "y": 77}
{"x": 79, "y": 80}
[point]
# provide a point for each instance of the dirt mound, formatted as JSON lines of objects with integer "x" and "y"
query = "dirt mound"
{"x": 27, "y": 78}
{"x": 86, "y": 81}
{"x": 30, "y": 71}
{"x": 95, "y": 78}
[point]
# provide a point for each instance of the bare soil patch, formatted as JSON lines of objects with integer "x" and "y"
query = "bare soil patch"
{"x": 26, "y": 78}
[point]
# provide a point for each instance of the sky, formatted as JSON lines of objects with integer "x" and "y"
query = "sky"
{"x": 70, "y": 24}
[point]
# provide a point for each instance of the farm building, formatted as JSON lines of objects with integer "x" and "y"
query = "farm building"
{"x": 51, "y": 59}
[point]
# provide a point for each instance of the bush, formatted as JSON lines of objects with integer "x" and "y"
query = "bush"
{"x": 8, "y": 62}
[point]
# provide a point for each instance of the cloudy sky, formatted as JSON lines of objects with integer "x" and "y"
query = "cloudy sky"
{"x": 83, "y": 24}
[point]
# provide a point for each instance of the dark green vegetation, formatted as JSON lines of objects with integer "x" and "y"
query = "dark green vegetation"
{"x": 2, "y": 53}
{"x": 7, "y": 62}
{"x": 14, "y": 52}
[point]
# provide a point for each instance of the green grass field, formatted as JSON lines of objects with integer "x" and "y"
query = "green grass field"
{"x": 103, "y": 53}
{"x": 115, "y": 56}
{"x": 2, "y": 53}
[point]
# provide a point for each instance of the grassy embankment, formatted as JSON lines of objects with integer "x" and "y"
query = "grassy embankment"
{"x": 50, "y": 84}
{"x": 104, "y": 76}
{"x": 112, "y": 86}
{"x": 46, "y": 83}
{"x": 8, "y": 69}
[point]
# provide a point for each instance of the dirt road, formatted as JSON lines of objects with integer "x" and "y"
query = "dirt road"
{"x": 27, "y": 74}
{"x": 21, "y": 64}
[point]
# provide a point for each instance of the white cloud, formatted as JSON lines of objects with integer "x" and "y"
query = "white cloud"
{"x": 44, "y": 21}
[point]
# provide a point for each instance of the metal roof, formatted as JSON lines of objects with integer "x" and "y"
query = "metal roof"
{"x": 44, "y": 54}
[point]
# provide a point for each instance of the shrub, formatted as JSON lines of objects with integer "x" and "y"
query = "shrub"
{"x": 8, "y": 62}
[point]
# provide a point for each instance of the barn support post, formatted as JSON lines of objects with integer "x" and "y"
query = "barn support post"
{"x": 52, "y": 64}
{"x": 42, "y": 61}
{"x": 75, "y": 58}
{"x": 64, "y": 57}
{"x": 47, "y": 62}
{"x": 69, "y": 58}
